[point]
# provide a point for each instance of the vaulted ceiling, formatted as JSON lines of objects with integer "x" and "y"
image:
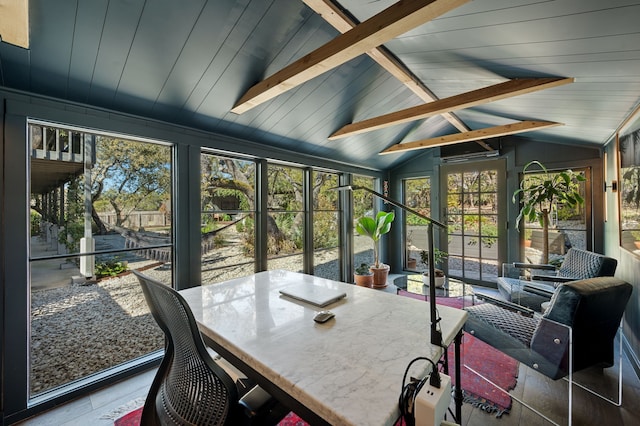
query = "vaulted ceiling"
{"x": 280, "y": 72}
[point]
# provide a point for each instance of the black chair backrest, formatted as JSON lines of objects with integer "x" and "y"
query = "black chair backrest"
{"x": 189, "y": 388}
{"x": 582, "y": 264}
{"x": 593, "y": 308}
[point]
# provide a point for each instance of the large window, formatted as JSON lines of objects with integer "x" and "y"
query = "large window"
{"x": 326, "y": 226}
{"x": 569, "y": 227}
{"x": 100, "y": 206}
{"x": 286, "y": 219}
{"x": 363, "y": 205}
{"x": 227, "y": 224}
{"x": 417, "y": 195}
{"x": 630, "y": 190}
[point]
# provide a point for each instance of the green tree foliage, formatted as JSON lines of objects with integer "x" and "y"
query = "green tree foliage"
{"x": 73, "y": 228}
{"x": 631, "y": 180}
{"x": 130, "y": 175}
{"x": 362, "y": 200}
{"x": 225, "y": 177}
{"x": 418, "y": 197}
{"x": 325, "y": 206}
{"x": 35, "y": 220}
{"x": 540, "y": 193}
{"x": 285, "y": 223}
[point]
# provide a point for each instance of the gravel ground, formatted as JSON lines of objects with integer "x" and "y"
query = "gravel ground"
{"x": 78, "y": 330}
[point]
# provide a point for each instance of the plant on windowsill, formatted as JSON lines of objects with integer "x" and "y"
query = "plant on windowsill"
{"x": 363, "y": 276}
{"x": 438, "y": 256}
{"x": 374, "y": 229}
{"x": 539, "y": 195}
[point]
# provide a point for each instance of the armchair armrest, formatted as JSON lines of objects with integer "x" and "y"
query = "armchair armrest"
{"x": 539, "y": 291}
{"x": 553, "y": 278}
{"x": 543, "y": 266}
{"x": 505, "y": 304}
{"x": 519, "y": 269}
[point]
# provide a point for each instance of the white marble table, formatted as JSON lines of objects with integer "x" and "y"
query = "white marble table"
{"x": 347, "y": 371}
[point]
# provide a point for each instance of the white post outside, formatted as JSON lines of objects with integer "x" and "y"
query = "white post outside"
{"x": 87, "y": 244}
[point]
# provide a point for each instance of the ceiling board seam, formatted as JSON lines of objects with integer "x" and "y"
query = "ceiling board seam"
{"x": 178, "y": 56}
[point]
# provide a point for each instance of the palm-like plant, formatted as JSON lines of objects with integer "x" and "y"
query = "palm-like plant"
{"x": 540, "y": 194}
{"x": 374, "y": 229}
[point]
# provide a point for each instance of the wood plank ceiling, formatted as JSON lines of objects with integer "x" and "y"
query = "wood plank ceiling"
{"x": 462, "y": 68}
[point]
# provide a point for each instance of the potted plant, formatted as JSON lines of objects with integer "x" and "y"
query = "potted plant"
{"x": 363, "y": 276}
{"x": 412, "y": 263}
{"x": 374, "y": 229}
{"x": 438, "y": 256}
{"x": 540, "y": 194}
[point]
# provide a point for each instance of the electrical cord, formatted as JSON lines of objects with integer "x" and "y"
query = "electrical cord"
{"x": 410, "y": 390}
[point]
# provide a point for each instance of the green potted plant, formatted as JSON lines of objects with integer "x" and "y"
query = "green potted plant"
{"x": 374, "y": 229}
{"x": 438, "y": 256}
{"x": 540, "y": 194}
{"x": 363, "y": 276}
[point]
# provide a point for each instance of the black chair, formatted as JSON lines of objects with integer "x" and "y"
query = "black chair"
{"x": 190, "y": 388}
{"x": 576, "y": 331}
{"x": 542, "y": 279}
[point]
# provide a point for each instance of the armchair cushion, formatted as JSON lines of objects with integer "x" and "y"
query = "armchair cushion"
{"x": 581, "y": 264}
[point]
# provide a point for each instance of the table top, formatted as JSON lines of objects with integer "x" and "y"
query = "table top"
{"x": 452, "y": 288}
{"x": 348, "y": 370}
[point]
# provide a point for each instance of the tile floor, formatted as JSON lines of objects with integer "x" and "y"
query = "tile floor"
{"x": 100, "y": 408}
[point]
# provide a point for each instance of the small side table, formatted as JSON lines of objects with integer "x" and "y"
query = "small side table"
{"x": 452, "y": 288}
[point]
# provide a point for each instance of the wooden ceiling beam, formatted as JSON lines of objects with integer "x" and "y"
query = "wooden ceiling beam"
{"x": 490, "y": 132}
{"x": 343, "y": 22}
{"x": 386, "y": 25}
{"x": 505, "y": 90}
{"x": 14, "y": 22}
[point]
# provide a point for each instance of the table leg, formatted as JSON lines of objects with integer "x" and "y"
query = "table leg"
{"x": 458, "y": 397}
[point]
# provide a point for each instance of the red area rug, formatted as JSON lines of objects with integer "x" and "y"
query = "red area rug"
{"x": 487, "y": 361}
{"x": 130, "y": 419}
{"x": 133, "y": 419}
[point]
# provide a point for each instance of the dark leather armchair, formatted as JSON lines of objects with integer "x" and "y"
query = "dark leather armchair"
{"x": 541, "y": 280}
{"x": 577, "y": 329}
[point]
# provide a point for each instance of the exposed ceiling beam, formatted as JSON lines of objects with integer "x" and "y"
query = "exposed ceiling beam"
{"x": 14, "y": 22}
{"x": 343, "y": 22}
{"x": 493, "y": 93}
{"x": 386, "y": 25}
{"x": 491, "y": 132}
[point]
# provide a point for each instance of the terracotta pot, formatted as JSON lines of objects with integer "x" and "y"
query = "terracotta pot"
{"x": 380, "y": 275}
{"x": 363, "y": 280}
{"x": 412, "y": 263}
